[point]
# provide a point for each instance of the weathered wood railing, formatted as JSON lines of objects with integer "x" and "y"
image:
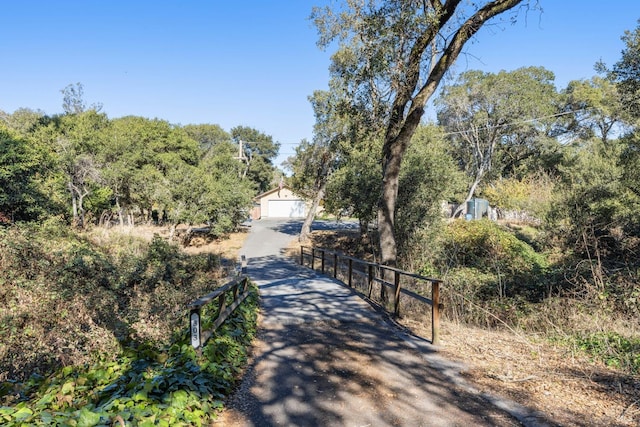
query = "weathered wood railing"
{"x": 237, "y": 287}
{"x": 348, "y": 269}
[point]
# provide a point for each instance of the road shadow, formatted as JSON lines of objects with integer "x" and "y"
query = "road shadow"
{"x": 351, "y": 373}
{"x": 325, "y": 356}
{"x": 293, "y": 227}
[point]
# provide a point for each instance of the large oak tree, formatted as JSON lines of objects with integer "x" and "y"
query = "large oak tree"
{"x": 394, "y": 53}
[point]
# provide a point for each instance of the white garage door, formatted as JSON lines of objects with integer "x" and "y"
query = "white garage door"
{"x": 286, "y": 209}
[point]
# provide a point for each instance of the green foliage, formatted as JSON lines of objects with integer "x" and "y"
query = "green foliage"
{"x": 627, "y": 73}
{"x": 21, "y": 199}
{"x": 612, "y": 348}
{"x": 428, "y": 178}
{"x": 598, "y": 110}
{"x": 258, "y": 150}
{"x": 533, "y": 194}
{"x": 145, "y": 384}
{"x": 489, "y": 119}
{"x": 91, "y": 292}
{"x": 354, "y": 188}
{"x": 596, "y": 219}
{"x": 207, "y": 135}
{"x": 220, "y": 198}
{"x": 487, "y": 248}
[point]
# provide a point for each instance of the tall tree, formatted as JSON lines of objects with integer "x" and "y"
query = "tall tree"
{"x": 207, "y": 135}
{"x": 398, "y": 51}
{"x": 138, "y": 154}
{"x": 626, "y": 72}
{"x": 76, "y": 139}
{"x": 496, "y": 121}
{"x": 596, "y": 108}
{"x": 73, "y": 100}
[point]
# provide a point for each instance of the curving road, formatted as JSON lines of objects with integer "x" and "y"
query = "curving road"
{"x": 325, "y": 357}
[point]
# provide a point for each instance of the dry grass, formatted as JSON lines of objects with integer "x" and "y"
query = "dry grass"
{"x": 227, "y": 247}
{"x": 557, "y": 380}
{"x": 564, "y": 384}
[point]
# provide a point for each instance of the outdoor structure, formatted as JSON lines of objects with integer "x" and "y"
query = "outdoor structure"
{"x": 279, "y": 203}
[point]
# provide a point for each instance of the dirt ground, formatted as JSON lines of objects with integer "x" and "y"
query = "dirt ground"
{"x": 570, "y": 388}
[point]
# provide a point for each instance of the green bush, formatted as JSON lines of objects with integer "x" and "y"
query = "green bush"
{"x": 94, "y": 329}
{"x": 145, "y": 385}
{"x": 494, "y": 261}
{"x": 612, "y": 348}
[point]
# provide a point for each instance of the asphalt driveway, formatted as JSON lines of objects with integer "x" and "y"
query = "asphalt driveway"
{"x": 325, "y": 357}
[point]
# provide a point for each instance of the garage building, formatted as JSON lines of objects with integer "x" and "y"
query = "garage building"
{"x": 279, "y": 203}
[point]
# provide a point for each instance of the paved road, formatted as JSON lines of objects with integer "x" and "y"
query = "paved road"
{"x": 325, "y": 357}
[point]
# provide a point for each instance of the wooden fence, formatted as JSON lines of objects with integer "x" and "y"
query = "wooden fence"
{"x": 237, "y": 288}
{"x": 365, "y": 276}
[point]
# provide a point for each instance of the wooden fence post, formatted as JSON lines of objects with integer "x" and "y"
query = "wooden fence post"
{"x": 396, "y": 296}
{"x": 302, "y": 255}
{"x": 222, "y": 302}
{"x": 435, "y": 313}
{"x": 350, "y": 273}
{"x": 335, "y": 265}
{"x": 383, "y": 290}
{"x": 322, "y": 265}
{"x": 370, "y": 281}
{"x": 313, "y": 258}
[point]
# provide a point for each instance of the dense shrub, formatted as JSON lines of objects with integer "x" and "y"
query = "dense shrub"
{"x": 94, "y": 331}
{"x": 65, "y": 298}
{"x": 489, "y": 248}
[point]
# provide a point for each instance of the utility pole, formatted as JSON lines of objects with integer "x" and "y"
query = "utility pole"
{"x": 242, "y": 158}
{"x": 241, "y": 155}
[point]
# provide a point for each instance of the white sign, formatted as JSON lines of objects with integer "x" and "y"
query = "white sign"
{"x": 195, "y": 329}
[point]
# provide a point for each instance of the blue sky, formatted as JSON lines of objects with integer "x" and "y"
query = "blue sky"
{"x": 252, "y": 62}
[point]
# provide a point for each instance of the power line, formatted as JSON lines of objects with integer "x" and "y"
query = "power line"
{"x": 516, "y": 123}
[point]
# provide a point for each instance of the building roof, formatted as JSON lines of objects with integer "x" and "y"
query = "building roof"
{"x": 273, "y": 190}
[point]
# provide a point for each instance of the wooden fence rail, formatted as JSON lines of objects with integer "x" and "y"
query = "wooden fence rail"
{"x": 238, "y": 288}
{"x": 373, "y": 273}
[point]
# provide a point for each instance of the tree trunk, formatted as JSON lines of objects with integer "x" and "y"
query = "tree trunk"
{"x": 305, "y": 232}
{"x": 74, "y": 203}
{"x": 81, "y": 210}
{"x": 119, "y": 208}
{"x": 470, "y": 194}
{"x": 393, "y": 149}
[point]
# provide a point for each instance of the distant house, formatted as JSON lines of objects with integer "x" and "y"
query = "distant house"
{"x": 279, "y": 203}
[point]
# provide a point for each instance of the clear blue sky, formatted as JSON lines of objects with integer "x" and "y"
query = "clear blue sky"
{"x": 251, "y": 62}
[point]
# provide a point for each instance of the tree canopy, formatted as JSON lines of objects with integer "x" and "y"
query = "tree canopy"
{"x": 391, "y": 57}
{"x": 129, "y": 169}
